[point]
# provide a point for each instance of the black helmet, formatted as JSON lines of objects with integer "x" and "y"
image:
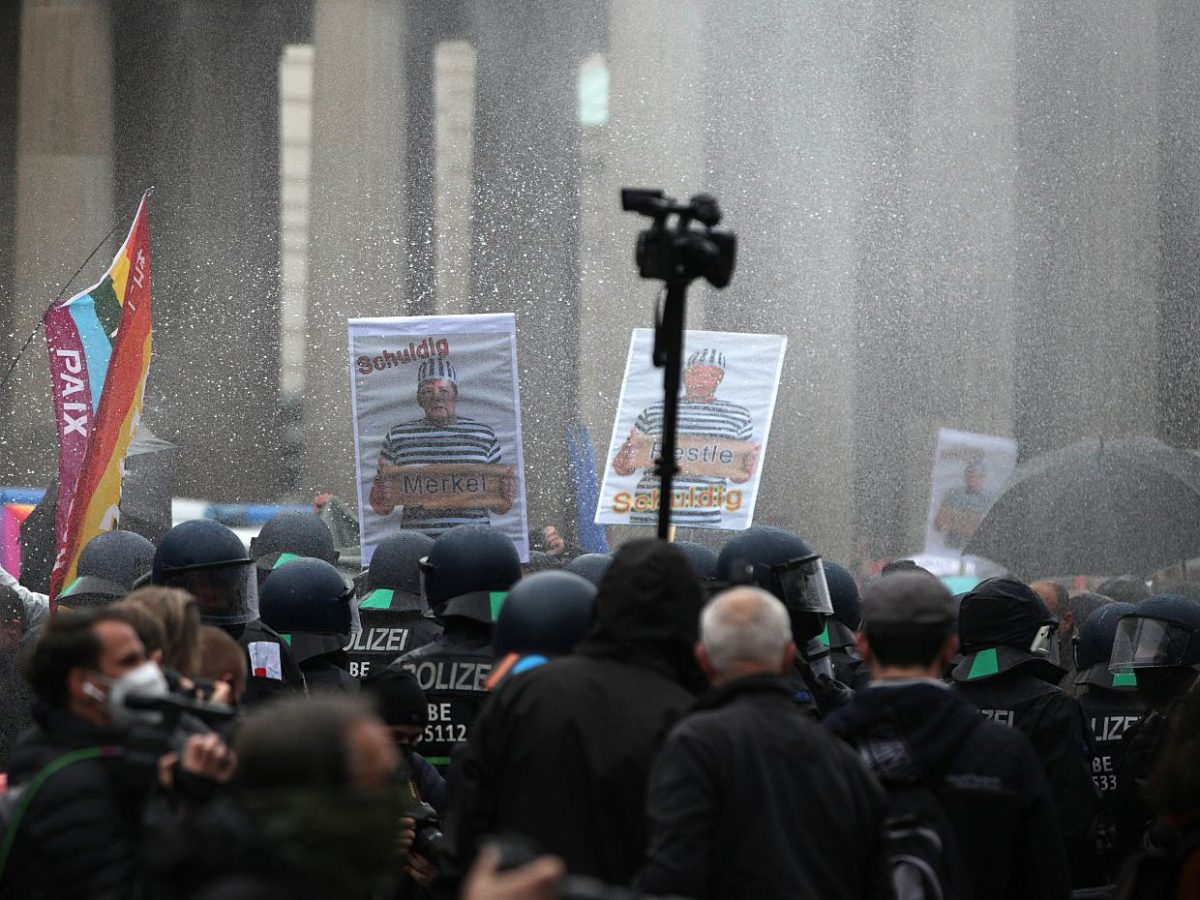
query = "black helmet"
{"x": 470, "y": 560}
{"x": 1003, "y": 623}
{"x": 310, "y": 596}
{"x": 120, "y": 557}
{"x": 208, "y": 560}
{"x": 1093, "y": 647}
{"x": 88, "y": 591}
{"x": 395, "y": 564}
{"x": 780, "y": 562}
{"x": 843, "y": 595}
{"x": 295, "y": 531}
{"x": 547, "y": 613}
{"x": 702, "y": 559}
{"x": 1161, "y": 633}
{"x": 591, "y": 566}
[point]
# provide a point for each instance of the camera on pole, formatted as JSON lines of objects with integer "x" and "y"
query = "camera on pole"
{"x": 672, "y": 250}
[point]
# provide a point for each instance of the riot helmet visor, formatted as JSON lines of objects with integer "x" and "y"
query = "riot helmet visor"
{"x": 800, "y": 583}
{"x": 227, "y": 595}
{"x": 1148, "y": 644}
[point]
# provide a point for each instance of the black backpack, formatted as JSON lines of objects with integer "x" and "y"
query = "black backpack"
{"x": 923, "y": 853}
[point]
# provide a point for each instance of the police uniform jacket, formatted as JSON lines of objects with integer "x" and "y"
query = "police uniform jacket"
{"x": 263, "y": 682}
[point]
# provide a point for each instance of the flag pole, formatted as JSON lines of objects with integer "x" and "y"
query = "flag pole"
{"x": 62, "y": 292}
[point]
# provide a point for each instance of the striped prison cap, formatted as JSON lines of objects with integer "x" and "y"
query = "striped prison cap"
{"x": 437, "y": 368}
{"x": 707, "y": 357}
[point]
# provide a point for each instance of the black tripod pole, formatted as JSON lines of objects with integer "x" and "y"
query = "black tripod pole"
{"x": 668, "y": 355}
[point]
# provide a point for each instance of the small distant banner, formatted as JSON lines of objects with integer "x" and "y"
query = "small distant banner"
{"x": 730, "y": 382}
{"x": 99, "y": 343}
{"x": 969, "y": 471}
{"x": 437, "y": 426}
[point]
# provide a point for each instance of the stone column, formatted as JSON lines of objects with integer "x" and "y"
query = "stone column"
{"x": 358, "y": 251}
{"x": 64, "y": 202}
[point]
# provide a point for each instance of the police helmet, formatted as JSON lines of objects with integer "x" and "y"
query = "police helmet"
{"x": 591, "y": 566}
{"x": 843, "y": 595}
{"x": 703, "y": 560}
{"x": 307, "y": 595}
{"x": 89, "y": 591}
{"x": 294, "y": 531}
{"x": 1093, "y": 647}
{"x": 120, "y": 557}
{"x": 1161, "y": 633}
{"x": 780, "y": 562}
{"x": 547, "y": 613}
{"x": 469, "y": 560}
{"x": 1002, "y": 624}
{"x": 208, "y": 560}
{"x": 395, "y": 564}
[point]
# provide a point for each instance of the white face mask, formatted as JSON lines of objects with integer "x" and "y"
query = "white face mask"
{"x": 147, "y": 680}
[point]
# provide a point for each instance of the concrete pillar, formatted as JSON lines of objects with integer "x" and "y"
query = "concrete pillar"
{"x": 783, "y": 155}
{"x": 64, "y": 202}
{"x": 358, "y": 251}
{"x": 1087, "y": 213}
{"x": 526, "y": 231}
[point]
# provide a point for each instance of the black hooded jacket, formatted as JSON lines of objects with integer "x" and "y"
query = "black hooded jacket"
{"x": 986, "y": 777}
{"x": 560, "y": 754}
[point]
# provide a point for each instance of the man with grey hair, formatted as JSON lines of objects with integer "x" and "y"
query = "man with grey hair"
{"x": 748, "y": 797}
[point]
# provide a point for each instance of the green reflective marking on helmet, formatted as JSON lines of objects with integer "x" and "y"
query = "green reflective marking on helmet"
{"x": 497, "y": 598}
{"x": 984, "y": 664}
{"x": 285, "y": 558}
{"x": 74, "y": 584}
{"x": 438, "y": 760}
{"x": 1124, "y": 679}
{"x": 823, "y": 637}
{"x": 378, "y": 599}
{"x": 287, "y": 639}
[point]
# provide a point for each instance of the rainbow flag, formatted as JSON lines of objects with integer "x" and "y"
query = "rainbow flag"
{"x": 99, "y": 343}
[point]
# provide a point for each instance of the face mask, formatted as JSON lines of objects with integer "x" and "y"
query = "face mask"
{"x": 147, "y": 680}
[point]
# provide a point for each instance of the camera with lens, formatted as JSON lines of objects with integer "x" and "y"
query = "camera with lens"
{"x": 428, "y": 827}
{"x": 682, "y": 253}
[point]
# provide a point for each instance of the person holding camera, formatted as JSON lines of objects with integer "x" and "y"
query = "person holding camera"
{"x": 81, "y": 778}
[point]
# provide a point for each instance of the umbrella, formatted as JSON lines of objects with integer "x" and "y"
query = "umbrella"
{"x": 1096, "y": 508}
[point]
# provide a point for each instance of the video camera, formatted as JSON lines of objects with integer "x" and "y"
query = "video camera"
{"x": 682, "y": 253}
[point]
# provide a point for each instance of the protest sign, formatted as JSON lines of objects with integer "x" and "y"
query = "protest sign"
{"x": 969, "y": 471}
{"x": 729, "y": 387}
{"x": 437, "y": 426}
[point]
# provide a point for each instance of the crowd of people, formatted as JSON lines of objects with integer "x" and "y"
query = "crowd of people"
{"x": 196, "y": 720}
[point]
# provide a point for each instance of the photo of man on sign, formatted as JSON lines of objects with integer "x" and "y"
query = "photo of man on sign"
{"x": 443, "y": 469}
{"x": 715, "y": 446}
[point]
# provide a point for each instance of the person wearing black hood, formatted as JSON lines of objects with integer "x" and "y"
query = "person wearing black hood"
{"x": 467, "y": 576}
{"x": 561, "y": 753}
{"x": 1005, "y": 632}
{"x": 395, "y": 617}
{"x": 916, "y": 733}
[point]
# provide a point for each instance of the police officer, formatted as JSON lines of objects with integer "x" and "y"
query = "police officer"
{"x": 289, "y": 534}
{"x": 1005, "y": 633}
{"x": 1109, "y": 699}
{"x": 109, "y": 566}
{"x": 395, "y": 617}
{"x": 591, "y": 566}
{"x": 840, "y": 628}
{"x": 702, "y": 559}
{"x": 208, "y": 561}
{"x": 310, "y": 604}
{"x": 467, "y": 574}
{"x": 780, "y": 562}
{"x": 1159, "y": 641}
{"x": 545, "y": 615}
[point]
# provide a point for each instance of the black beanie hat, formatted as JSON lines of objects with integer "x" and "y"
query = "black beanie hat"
{"x": 397, "y": 697}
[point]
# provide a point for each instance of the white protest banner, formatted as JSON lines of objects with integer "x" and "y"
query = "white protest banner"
{"x": 437, "y": 426}
{"x": 969, "y": 471}
{"x": 729, "y": 387}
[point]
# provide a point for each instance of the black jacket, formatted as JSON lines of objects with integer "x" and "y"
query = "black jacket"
{"x": 987, "y": 778}
{"x": 1110, "y": 715}
{"x": 750, "y": 798}
{"x": 79, "y": 835}
{"x": 453, "y": 671}
{"x": 1054, "y": 723}
{"x": 265, "y": 684}
{"x": 560, "y": 753}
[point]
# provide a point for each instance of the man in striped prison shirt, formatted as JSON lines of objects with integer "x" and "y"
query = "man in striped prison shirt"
{"x": 701, "y": 414}
{"x": 441, "y": 436}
